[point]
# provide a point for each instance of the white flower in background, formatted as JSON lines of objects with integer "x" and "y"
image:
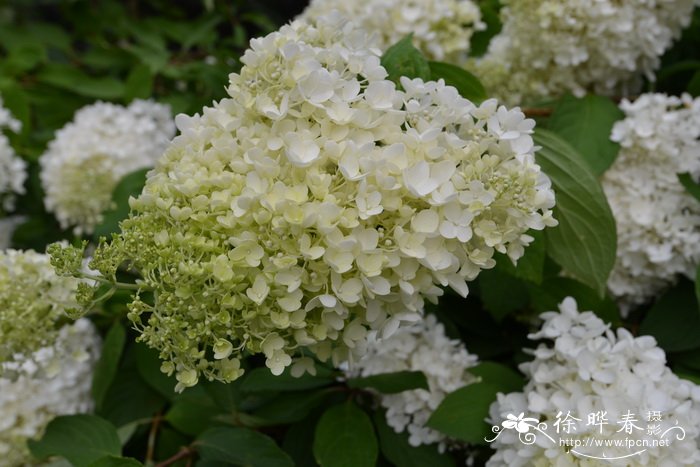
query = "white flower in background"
{"x": 424, "y": 347}
{"x": 92, "y": 153}
{"x": 590, "y": 369}
{"x": 7, "y": 229}
{"x": 56, "y": 380}
{"x": 442, "y": 29}
{"x": 318, "y": 202}
{"x": 33, "y": 299}
{"x": 13, "y": 170}
{"x": 658, "y": 221}
{"x": 549, "y": 47}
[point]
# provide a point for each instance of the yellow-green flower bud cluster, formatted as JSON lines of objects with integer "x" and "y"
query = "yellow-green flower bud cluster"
{"x": 32, "y": 301}
{"x": 317, "y": 203}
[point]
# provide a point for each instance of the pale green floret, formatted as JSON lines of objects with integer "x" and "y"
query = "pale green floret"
{"x": 319, "y": 204}
{"x": 33, "y": 300}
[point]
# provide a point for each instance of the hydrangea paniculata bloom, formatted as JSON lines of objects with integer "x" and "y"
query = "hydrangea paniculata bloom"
{"x": 89, "y": 156}
{"x": 32, "y": 300}
{"x": 317, "y": 202}
{"x": 13, "y": 170}
{"x": 56, "y": 380}
{"x": 658, "y": 221}
{"x": 420, "y": 347}
{"x": 549, "y": 47}
{"x": 441, "y": 29}
{"x": 590, "y": 369}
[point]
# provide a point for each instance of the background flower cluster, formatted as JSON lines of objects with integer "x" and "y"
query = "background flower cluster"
{"x": 363, "y": 233}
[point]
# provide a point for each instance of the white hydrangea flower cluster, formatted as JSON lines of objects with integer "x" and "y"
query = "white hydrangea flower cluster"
{"x": 441, "y": 29}
{"x": 549, "y": 47}
{"x": 658, "y": 221}
{"x": 13, "y": 170}
{"x": 89, "y": 156}
{"x": 420, "y": 347}
{"x": 318, "y": 201}
{"x": 590, "y": 369}
{"x": 32, "y": 301}
{"x": 55, "y": 381}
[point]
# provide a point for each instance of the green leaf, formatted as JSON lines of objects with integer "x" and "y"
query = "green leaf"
{"x": 481, "y": 39}
{"x": 260, "y": 380}
{"x": 129, "y": 398}
{"x": 290, "y": 407}
{"x": 690, "y": 185}
{"x": 499, "y": 375}
{"x": 72, "y": 79}
{"x": 462, "y": 414}
{"x": 24, "y": 58}
{"x": 241, "y": 446}
{"x": 139, "y": 83}
{"x": 403, "y": 59}
{"x": 81, "y": 439}
{"x": 129, "y": 185}
{"x": 345, "y": 438}
{"x": 586, "y": 123}
{"x": 531, "y": 266}
{"x": 694, "y": 85}
{"x": 192, "y": 413}
{"x": 299, "y": 440}
{"x": 697, "y": 285}
{"x": 674, "y": 320}
{"x": 148, "y": 365}
{"x": 107, "y": 365}
{"x": 552, "y": 292}
{"x": 584, "y": 243}
{"x": 466, "y": 83}
{"x": 396, "y": 448}
{"x": 115, "y": 461}
{"x": 391, "y": 383}
{"x": 202, "y": 32}
{"x": 492, "y": 283}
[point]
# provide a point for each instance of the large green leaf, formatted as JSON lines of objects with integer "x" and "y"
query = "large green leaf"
{"x": 345, "y": 438}
{"x": 193, "y": 412}
{"x": 391, "y": 383}
{"x": 697, "y": 285}
{"x": 403, "y": 59}
{"x": 466, "y": 83}
{"x": 115, "y": 461}
{"x": 396, "y": 448}
{"x": 107, "y": 365}
{"x": 72, "y": 79}
{"x": 148, "y": 365}
{"x": 492, "y": 283}
{"x": 584, "y": 243}
{"x": 531, "y": 266}
{"x": 290, "y": 407}
{"x": 462, "y": 413}
{"x": 691, "y": 186}
{"x": 260, "y": 379}
{"x": 499, "y": 375}
{"x": 586, "y": 123}
{"x": 81, "y": 439}
{"x": 240, "y": 446}
{"x": 548, "y": 296}
{"x": 674, "y": 320}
